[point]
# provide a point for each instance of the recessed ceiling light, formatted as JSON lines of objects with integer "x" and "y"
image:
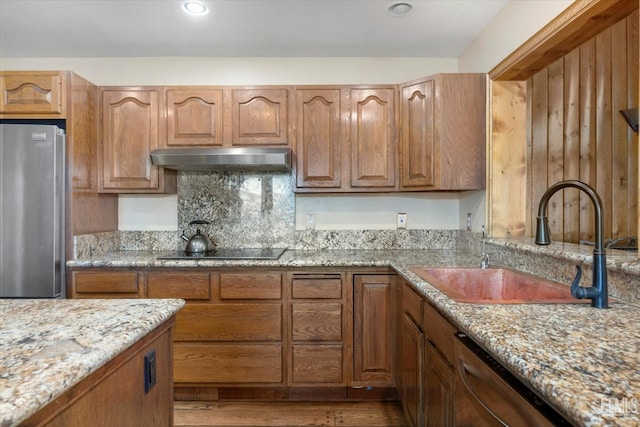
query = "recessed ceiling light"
{"x": 402, "y": 8}
{"x": 195, "y": 7}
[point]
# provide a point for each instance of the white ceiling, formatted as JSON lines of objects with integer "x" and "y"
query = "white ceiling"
{"x": 240, "y": 28}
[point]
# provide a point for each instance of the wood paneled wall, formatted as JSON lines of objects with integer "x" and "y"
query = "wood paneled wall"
{"x": 575, "y": 131}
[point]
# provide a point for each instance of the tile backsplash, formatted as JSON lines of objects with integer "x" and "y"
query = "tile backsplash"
{"x": 245, "y": 209}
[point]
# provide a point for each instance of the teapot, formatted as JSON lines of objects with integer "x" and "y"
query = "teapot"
{"x": 198, "y": 243}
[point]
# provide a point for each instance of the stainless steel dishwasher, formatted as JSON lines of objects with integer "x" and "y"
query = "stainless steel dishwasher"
{"x": 489, "y": 395}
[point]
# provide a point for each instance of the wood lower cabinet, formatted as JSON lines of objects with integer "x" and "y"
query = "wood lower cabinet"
{"x": 426, "y": 372}
{"x": 439, "y": 388}
{"x": 233, "y": 338}
{"x": 129, "y": 131}
{"x": 34, "y": 94}
{"x": 374, "y": 326}
{"x": 439, "y": 377}
{"x": 318, "y": 330}
{"x": 443, "y": 133}
{"x": 412, "y": 362}
{"x": 114, "y": 394}
{"x": 111, "y": 284}
{"x": 258, "y": 334}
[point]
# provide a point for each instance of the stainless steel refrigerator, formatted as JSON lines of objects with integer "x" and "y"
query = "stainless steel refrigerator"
{"x": 32, "y": 232}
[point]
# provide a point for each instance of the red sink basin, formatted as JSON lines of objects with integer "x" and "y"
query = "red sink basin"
{"x": 496, "y": 286}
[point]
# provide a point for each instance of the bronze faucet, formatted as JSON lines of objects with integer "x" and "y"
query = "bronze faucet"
{"x": 597, "y": 292}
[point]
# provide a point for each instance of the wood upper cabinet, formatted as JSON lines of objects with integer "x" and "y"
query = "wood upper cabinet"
{"x": 114, "y": 394}
{"x": 193, "y": 116}
{"x": 34, "y": 94}
{"x": 443, "y": 133}
{"x": 374, "y": 325}
{"x": 319, "y": 138}
{"x": 373, "y": 138}
{"x": 260, "y": 116}
{"x": 418, "y": 139}
{"x": 130, "y": 130}
{"x": 346, "y": 139}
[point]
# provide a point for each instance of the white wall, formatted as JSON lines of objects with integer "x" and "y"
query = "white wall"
{"x": 513, "y": 25}
{"x": 239, "y": 71}
{"x": 516, "y": 22}
{"x": 378, "y": 211}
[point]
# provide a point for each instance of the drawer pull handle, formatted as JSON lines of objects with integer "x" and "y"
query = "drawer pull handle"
{"x": 462, "y": 369}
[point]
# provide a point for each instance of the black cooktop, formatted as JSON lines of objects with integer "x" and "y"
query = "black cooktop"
{"x": 229, "y": 253}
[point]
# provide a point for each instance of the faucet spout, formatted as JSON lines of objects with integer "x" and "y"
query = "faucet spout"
{"x": 598, "y": 292}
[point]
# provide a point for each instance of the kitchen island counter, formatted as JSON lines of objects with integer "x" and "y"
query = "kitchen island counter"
{"x": 583, "y": 361}
{"x": 47, "y": 346}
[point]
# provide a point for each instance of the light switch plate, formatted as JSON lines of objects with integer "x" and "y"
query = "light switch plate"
{"x": 402, "y": 220}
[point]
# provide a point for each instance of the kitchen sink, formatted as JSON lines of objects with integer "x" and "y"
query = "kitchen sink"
{"x": 496, "y": 286}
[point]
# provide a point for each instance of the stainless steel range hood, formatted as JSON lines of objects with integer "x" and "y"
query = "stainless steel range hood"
{"x": 237, "y": 158}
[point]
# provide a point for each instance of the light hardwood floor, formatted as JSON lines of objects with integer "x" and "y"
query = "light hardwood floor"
{"x": 360, "y": 414}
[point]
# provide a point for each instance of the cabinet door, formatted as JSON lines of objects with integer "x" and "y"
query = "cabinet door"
{"x": 318, "y": 139}
{"x": 260, "y": 116}
{"x": 373, "y": 355}
{"x": 412, "y": 371}
{"x": 373, "y": 138}
{"x": 194, "y": 117}
{"x": 418, "y": 138}
{"x": 443, "y": 133}
{"x": 439, "y": 385}
{"x": 32, "y": 94}
{"x": 129, "y": 131}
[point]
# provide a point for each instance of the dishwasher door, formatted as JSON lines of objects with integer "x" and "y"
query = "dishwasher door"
{"x": 489, "y": 395}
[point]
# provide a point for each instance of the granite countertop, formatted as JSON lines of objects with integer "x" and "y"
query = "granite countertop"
{"x": 47, "y": 346}
{"x": 582, "y": 360}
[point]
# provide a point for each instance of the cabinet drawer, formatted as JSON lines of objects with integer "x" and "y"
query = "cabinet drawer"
{"x": 229, "y": 322}
{"x": 316, "y": 287}
{"x": 227, "y": 363}
{"x": 439, "y": 331}
{"x": 113, "y": 285}
{"x": 317, "y": 364}
{"x": 188, "y": 286}
{"x": 250, "y": 286}
{"x": 412, "y": 304}
{"x": 317, "y": 321}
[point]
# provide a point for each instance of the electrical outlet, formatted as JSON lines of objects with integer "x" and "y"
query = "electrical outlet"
{"x": 401, "y": 220}
{"x": 311, "y": 221}
{"x": 469, "y": 222}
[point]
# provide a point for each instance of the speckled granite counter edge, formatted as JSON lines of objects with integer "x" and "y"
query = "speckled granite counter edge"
{"x": 32, "y": 371}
